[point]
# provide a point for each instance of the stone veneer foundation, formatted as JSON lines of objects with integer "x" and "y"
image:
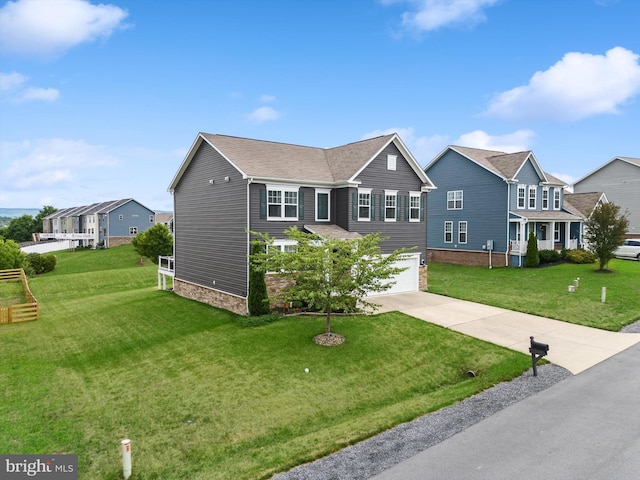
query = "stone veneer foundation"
{"x": 210, "y": 296}
{"x": 465, "y": 257}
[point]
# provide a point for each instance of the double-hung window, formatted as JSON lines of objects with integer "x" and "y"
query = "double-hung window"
{"x": 462, "y": 232}
{"x": 532, "y": 197}
{"x": 522, "y": 191}
{"x": 282, "y": 203}
{"x": 448, "y": 232}
{"x": 556, "y": 199}
{"x": 364, "y": 204}
{"x": 390, "y": 205}
{"x": 545, "y": 198}
{"x": 414, "y": 206}
{"x": 454, "y": 200}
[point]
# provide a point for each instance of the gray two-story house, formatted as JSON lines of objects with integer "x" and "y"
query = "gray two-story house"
{"x": 486, "y": 204}
{"x": 619, "y": 179}
{"x": 228, "y": 186}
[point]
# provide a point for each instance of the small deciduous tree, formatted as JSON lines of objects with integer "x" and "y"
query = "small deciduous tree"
{"x": 604, "y": 232}
{"x": 329, "y": 274}
{"x": 532, "y": 259}
{"x": 153, "y": 242}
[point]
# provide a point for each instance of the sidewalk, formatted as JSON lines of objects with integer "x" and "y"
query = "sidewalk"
{"x": 571, "y": 346}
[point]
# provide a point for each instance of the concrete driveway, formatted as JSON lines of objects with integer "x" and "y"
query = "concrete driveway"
{"x": 573, "y": 347}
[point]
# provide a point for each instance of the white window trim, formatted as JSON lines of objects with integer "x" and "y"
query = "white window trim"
{"x": 283, "y": 189}
{"x": 556, "y": 232}
{"x": 391, "y": 162}
{"x": 393, "y": 194}
{"x": 417, "y": 195}
{"x": 448, "y": 222}
{"x": 534, "y": 189}
{"x": 556, "y": 193}
{"x": 545, "y": 190}
{"x": 364, "y": 191}
{"x": 328, "y": 192}
{"x": 523, "y": 189}
{"x": 466, "y": 231}
{"x": 456, "y": 199}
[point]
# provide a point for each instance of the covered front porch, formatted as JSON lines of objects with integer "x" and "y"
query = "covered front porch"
{"x": 553, "y": 230}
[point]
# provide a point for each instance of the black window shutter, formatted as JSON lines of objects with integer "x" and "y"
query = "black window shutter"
{"x": 398, "y": 212}
{"x": 372, "y": 207}
{"x": 407, "y": 211}
{"x": 422, "y": 199}
{"x": 301, "y": 205}
{"x": 382, "y": 204}
{"x": 354, "y": 206}
{"x": 263, "y": 203}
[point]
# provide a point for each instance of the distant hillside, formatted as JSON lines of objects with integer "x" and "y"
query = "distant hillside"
{"x": 6, "y": 214}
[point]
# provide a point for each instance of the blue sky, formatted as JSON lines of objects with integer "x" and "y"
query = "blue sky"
{"x": 100, "y": 101}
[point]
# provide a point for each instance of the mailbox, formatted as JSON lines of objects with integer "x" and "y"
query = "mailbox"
{"x": 537, "y": 350}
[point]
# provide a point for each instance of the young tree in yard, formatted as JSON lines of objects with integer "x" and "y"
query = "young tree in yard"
{"x": 532, "y": 259}
{"x": 258, "y": 298}
{"x": 604, "y": 232}
{"x": 329, "y": 274}
{"x": 10, "y": 255}
{"x": 153, "y": 242}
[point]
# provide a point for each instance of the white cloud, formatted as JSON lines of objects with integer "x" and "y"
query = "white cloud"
{"x": 45, "y": 28}
{"x": 422, "y": 148}
{"x": 264, "y": 114}
{"x": 11, "y": 81}
{"x": 44, "y": 94}
{"x": 517, "y": 141}
{"x": 578, "y": 86}
{"x": 51, "y": 162}
{"x": 426, "y": 15}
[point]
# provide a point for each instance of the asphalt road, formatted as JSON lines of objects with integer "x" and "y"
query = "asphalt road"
{"x": 584, "y": 427}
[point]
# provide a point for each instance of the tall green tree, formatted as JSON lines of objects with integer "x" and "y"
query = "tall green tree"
{"x": 604, "y": 232}
{"x": 20, "y": 229}
{"x": 154, "y": 242}
{"x": 44, "y": 212}
{"x": 258, "y": 298}
{"x": 329, "y": 274}
{"x": 533, "y": 256}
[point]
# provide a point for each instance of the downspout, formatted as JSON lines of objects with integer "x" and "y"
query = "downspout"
{"x": 249, "y": 181}
{"x": 506, "y": 253}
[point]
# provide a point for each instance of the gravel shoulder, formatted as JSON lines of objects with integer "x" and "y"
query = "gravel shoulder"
{"x": 370, "y": 457}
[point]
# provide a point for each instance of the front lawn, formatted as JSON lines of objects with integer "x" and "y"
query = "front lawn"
{"x": 200, "y": 394}
{"x": 543, "y": 291}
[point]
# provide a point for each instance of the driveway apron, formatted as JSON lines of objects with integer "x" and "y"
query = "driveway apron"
{"x": 571, "y": 346}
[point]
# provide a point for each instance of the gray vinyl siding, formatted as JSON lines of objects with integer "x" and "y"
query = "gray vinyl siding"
{"x": 133, "y": 215}
{"x": 404, "y": 179}
{"x": 484, "y": 204}
{"x": 620, "y": 181}
{"x": 210, "y": 221}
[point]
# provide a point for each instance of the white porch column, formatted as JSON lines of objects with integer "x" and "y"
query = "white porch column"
{"x": 567, "y": 235}
{"x": 553, "y": 233}
{"x": 523, "y": 237}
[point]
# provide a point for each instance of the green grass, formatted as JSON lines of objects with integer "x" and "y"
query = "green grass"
{"x": 201, "y": 394}
{"x": 12, "y": 293}
{"x": 543, "y": 291}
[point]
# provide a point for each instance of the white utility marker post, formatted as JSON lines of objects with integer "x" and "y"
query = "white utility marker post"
{"x": 126, "y": 458}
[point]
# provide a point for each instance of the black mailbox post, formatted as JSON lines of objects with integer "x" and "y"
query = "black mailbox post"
{"x": 537, "y": 350}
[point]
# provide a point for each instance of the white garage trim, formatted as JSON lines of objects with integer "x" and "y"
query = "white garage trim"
{"x": 408, "y": 280}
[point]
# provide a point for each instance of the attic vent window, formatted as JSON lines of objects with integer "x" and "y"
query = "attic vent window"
{"x": 391, "y": 162}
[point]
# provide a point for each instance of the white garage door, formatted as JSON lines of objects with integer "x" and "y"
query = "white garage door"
{"x": 408, "y": 280}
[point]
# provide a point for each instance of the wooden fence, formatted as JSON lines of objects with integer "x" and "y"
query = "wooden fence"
{"x": 24, "y": 311}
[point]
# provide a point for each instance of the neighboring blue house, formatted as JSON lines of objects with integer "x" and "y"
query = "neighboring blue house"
{"x": 107, "y": 224}
{"x": 486, "y": 204}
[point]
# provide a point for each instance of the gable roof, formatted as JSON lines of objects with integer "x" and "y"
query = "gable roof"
{"x": 630, "y": 160}
{"x": 102, "y": 207}
{"x": 282, "y": 162}
{"x": 504, "y": 165}
{"x": 583, "y": 203}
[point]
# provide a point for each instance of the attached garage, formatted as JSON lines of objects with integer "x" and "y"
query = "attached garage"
{"x": 409, "y": 279}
